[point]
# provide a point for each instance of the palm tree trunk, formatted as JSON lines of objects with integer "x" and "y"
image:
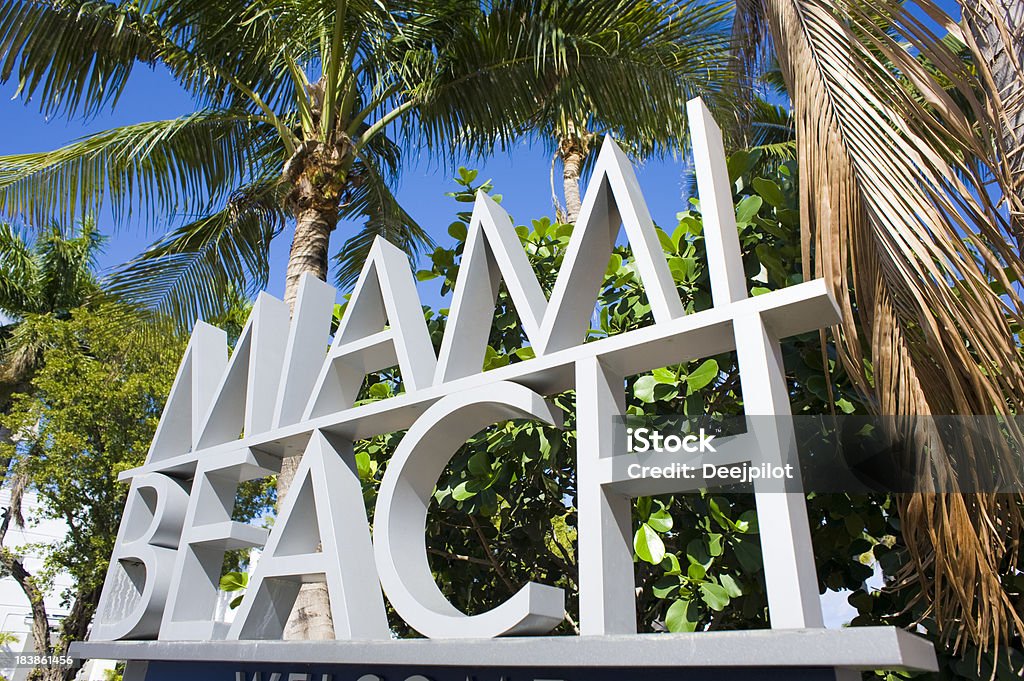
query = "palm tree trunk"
{"x": 572, "y": 153}
{"x": 311, "y": 617}
{"x": 997, "y": 28}
{"x": 573, "y": 147}
{"x": 313, "y": 227}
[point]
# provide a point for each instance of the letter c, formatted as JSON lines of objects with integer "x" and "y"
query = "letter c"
{"x": 399, "y": 529}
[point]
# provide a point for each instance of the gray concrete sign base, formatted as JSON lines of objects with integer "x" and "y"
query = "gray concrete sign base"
{"x": 811, "y": 654}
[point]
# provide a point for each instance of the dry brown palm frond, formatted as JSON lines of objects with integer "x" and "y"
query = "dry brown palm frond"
{"x": 898, "y": 220}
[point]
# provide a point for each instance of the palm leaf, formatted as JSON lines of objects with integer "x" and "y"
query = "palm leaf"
{"x": 525, "y": 66}
{"x": 74, "y": 57}
{"x": 18, "y": 283}
{"x": 66, "y": 262}
{"x": 185, "y": 164}
{"x": 914, "y": 256}
{"x": 194, "y": 272}
{"x": 373, "y": 204}
{"x": 772, "y": 130}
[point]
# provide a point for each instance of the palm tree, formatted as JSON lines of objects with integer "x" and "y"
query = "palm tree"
{"x": 40, "y": 279}
{"x": 897, "y": 140}
{"x": 297, "y": 98}
{"x": 297, "y": 101}
{"x": 616, "y": 66}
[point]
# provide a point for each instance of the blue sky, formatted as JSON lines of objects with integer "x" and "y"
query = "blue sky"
{"x": 521, "y": 176}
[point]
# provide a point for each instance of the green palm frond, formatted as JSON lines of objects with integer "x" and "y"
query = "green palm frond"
{"x": 225, "y": 52}
{"x": 74, "y": 57}
{"x": 66, "y": 265}
{"x": 19, "y": 271}
{"x": 48, "y": 272}
{"x": 376, "y": 207}
{"x": 772, "y": 131}
{"x": 185, "y": 164}
{"x": 191, "y": 273}
{"x": 43, "y": 276}
{"x": 526, "y": 66}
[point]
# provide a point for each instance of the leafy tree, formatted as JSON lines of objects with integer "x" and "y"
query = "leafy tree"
{"x": 92, "y": 409}
{"x": 904, "y": 164}
{"x": 43, "y": 279}
{"x": 512, "y": 488}
{"x": 89, "y": 413}
{"x": 618, "y": 66}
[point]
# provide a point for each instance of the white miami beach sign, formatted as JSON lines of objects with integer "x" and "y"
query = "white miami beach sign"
{"x": 285, "y": 396}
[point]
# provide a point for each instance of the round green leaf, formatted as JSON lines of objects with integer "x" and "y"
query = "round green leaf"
{"x": 380, "y": 391}
{"x": 747, "y": 209}
{"x": 769, "y": 191}
{"x": 457, "y": 230}
{"x": 715, "y": 544}
{"x": 702, "y": 375}
{"x": 747, "y": 522}
{"x": 749, "y": 554}
{"x": 671, "y": 564}
{"x": 740, "y": 163}
{"x": 731, "y": 586}
{"x": 714, "y": 595}
{"x": 234, "y": 581}
{"x": 666, "y": 241}
{"x": 648, "y": 545}
{"x": 663, "y": 392}
{"x": 661, "y": 521}
{"x": 643, "y": 389}
{"x": 666, "y": 587}
{"x": 363, "y": 464}
{"x": 462, "y": 492}
{"x": 614, "y": 263}
{"x": 479, "y": 464}
{"x": 678, "y": 618}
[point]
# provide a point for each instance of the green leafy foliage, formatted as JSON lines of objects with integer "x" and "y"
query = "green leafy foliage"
{"x": 84, "y": 408}
{"x": 88, "y": 414}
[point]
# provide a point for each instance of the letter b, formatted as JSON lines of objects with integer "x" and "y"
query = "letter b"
{"x": 139, "y": 575}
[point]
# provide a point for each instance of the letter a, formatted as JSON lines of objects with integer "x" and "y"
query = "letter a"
{"x": 384, "y": 296}
{"x": 324, "y": 507}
